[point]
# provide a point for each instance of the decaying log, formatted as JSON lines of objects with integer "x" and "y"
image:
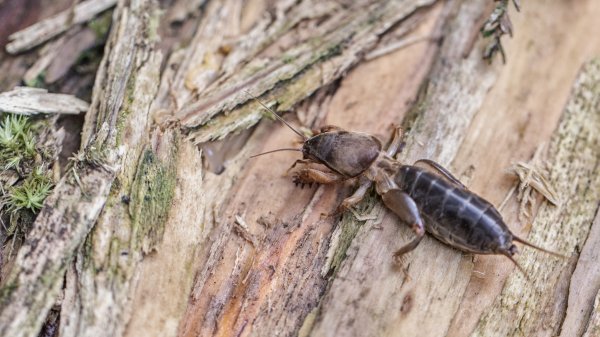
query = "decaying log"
{"x": 190, "y": 237}
{"x": 574, "y": 158}
{"x": 111, "y": 136}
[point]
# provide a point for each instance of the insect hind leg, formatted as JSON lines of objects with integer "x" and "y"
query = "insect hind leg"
{"x": 405, "y": 207}
{"x": 442, "y": 171}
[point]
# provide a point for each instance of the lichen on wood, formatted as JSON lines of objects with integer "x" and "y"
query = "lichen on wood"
{"x": 151, "y": 194}
{"x": 574, "y": 157}
{"x": 75, "y": 204}
{"x": 295, "y": 74}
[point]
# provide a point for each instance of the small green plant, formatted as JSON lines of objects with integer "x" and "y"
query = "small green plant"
{"x": 17, "y": 142}
{"x": 497, "y": 25}
{"x": 25, "y": 180}
{"x": 30, "y": 194}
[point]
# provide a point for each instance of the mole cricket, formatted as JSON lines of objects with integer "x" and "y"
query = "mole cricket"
{"x": 425, "y": 195}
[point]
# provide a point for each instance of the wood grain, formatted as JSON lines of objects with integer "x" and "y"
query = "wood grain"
{"x": 196, "y": 239}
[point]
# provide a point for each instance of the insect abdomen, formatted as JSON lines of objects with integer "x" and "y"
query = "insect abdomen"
{"x": 452, "y": 214}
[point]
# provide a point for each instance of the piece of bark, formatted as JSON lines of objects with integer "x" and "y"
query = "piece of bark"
{"x": 537, "y": 307}
{"x": 115, "y": 125}
{"x": 518, "y": 115}
{"x": 583, "y": 289}
{"x": 343, "y": 39}
{"x": 47, "y": 29}
{"x": 65, "y": 220}
{"x": 31, "y": 101}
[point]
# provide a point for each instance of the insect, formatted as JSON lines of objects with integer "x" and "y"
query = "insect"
{"x": 424, "y": 195}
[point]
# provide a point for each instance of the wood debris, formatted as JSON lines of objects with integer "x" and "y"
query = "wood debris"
{"x": 30, "y": 101}
{"x": 45, "y": 30}
{"x": 533, "y": 177}
{"x": 241, "y": 228}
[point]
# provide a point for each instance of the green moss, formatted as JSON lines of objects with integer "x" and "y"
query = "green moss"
{"x": 350, "y": 226}
{"x": 123, "y": 116}
{"x": 25, "y": 179}
{"x": 6, "y": 291}
{"x": 151, "y": 195}
{"x": 37, "y": 82}
{"x": 101, "y": 25}
{"x": 17, "y": 142}
{"x": 30, "y": 195}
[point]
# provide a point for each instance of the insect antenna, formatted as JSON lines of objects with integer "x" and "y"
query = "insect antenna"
{"x": 277, "y": 116}
{"x": 278, "y": 150}
{"x": 527, "y": 243}
{"x": 507, "y": 254}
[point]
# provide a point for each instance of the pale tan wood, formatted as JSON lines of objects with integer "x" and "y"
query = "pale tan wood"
{"x": 47, "y": 29}
{"x": 244, "y": 252}
{"x": 30, "y": 101}
{"x": 583, "y": 288}
{"x": 573, "y": 155}
{"x": 520, "y": 114}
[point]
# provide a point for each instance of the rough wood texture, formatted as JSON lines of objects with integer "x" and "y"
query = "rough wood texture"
{"x": 30, "y": 101}
{"x": 47, "y": 29}
{"x": 538, "y": 307}
{"x": 201, "y": 241}
{"x": 115, "y": 125}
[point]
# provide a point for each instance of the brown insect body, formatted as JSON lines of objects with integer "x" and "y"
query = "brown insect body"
{"x": 332, "y": 150}
{"x": 436, "y": 202}
{"x": 454, "y": 215}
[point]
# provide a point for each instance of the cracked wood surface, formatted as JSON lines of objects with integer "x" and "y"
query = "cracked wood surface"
{"x": 181, "y": 250}
{"x": 74, "y": 206}
{"x": 45, "y": 30}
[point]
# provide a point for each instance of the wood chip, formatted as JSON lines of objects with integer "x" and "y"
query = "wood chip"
{"x": 45, "y": 30}
{"x": 30, "y": 101}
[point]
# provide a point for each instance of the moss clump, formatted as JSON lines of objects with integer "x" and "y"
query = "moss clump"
{"x": 151, "y": 195}
{"x": 17, "y": 142}
{"x": 25, "y": 180}
{"x": 31, "y": 193}
{"x": 101, "y": 25}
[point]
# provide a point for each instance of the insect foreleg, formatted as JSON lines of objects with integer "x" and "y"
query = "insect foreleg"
{"x": 298, "y": 161}
{"x": 395, "y": 144}
{"x": 313, "y": 175}
{"x": 406, "y": 209}
{"x": 356, "y": 197}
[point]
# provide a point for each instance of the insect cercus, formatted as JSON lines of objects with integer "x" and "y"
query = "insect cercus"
{"x": 424, "y": 195}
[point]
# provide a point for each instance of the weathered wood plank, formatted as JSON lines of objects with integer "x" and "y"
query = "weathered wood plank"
{"x": 537, "y": 308}
{"x": 130, "y": 223}
{"x": 519, "y": 115}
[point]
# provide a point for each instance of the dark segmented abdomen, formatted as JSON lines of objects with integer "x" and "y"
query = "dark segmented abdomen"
{"x": 452, "y": 214}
